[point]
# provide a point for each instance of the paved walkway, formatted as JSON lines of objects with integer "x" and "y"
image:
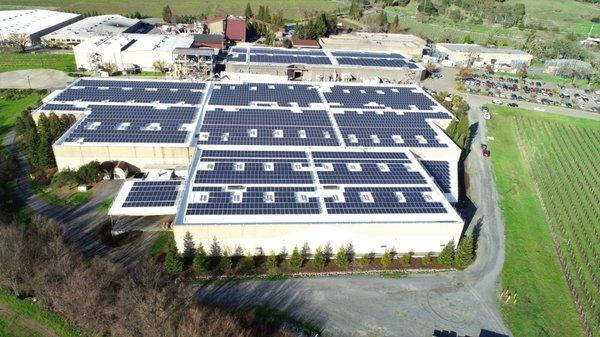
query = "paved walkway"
{"x": 35, "y": 79}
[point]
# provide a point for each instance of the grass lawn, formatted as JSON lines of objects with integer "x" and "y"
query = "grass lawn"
{"x": 290, "y": 9}
{"x": 52, "y": 196}
{"x": 160, "y": 243}
{"x": 11, "y": 109}
{"x": 21, "y": 61}
{"x": 25, "y": 318}
{"x": 544, "y": 304}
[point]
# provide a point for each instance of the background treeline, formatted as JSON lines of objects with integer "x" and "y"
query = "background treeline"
{"x": 477, "y": 11}
{"x": 103, "y": 299}
{"x": 35, "y": 141}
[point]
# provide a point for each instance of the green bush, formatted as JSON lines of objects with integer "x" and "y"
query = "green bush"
{"x": 366, "y": 259}
{"x": 89, "y": 173}
{"x": 67, "y": 178}
{"x": 225, "y": 262}
{"x": 319, "y": 260}
{"x": 173, "y": 260}
{"x": 464, "y": 252}
{"x": 404, "y": 260}
{"x": 200, "y": 264}
{"x": 272, "y": 262}
{"x": 341, "y": 257}
{"x": 427, "y": 259}
{"x": 295, "y": 261}
{"x": 446, "y": 256}
{"x": 386, "y": 259}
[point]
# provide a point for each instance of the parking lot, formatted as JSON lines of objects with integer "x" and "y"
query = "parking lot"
{"x": 533, "y": 91}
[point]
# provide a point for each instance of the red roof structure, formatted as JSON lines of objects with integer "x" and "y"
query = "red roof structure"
{"x": 299, "y": 43}
{"x": 235, "y": 29}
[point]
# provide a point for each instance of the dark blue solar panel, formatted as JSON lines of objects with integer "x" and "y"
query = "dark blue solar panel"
{"x": 152, "y": 194}
{"x": 360, "y": 97}
{"x": 385, "y": 201}
{"x": 440, "y": 171}
{"x": 264, "y": 95}
{"x": 359, "y": 54}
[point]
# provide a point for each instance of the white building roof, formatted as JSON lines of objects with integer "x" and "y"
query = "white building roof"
{"x": 30, "y": 21}
{"x": 154, "y": 42}
{"x": 465, "y": 48}
{"x": 102, "y": 25}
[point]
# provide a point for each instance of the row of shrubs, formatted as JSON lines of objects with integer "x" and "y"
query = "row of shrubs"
{"x": 200, "y": 262}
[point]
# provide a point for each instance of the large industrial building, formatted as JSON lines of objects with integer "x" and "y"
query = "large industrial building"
{"x": 95, "y": 26}
{"x": 324, "y": 65}
{"x": 35, "y": 23}
{"x": 477, "y": 56}
{"x": 261, "y": 166}
{"x": 406, "y": 44}
{"x": 140, "y": 51}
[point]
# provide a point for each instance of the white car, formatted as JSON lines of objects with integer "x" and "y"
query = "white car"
{"x": 486, "y": 116}
{"x": 537, "y": 108}
{"x": 497, "y": 101}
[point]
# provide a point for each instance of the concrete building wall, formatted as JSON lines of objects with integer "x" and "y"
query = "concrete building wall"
{"x": 72, "y": 157}
{"x": 463, "y": 57}
{"x": 217, "y": 27}
{"x": 145, "y": 59}
{"x": 324, "y": 73}
{"x": 365, "y": 237}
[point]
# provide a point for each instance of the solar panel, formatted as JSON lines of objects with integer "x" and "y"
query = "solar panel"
{"x": 153, "y": 194}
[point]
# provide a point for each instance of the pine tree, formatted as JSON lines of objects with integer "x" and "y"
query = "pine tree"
{"x": 200, "y": 264}
{"x": 167, "y": 14}
{"x": 248, "y": 11}
{"x": 248, "y": 264}
{"x": 272, "y": 262}
{"x": 319, "y": 259}
{"x": 386, "y": 259}
{"x": 173, "y": 260}
{"x": 295, "y": 261}
{"x": 365, "y": 259}
{"x": 426, "y": 259}
{"x": 446, "y": 256}
{"x": 45, "y": 155}
{"x": 188, "y": 248}
{"x": 225, "y": 263}
{"x": 464, "y": 252}
{"x": 305, "y": 252}
{"x": 33, "y": 141}
{"x": 404, "y": 260}
{"x": 341, "y": 257}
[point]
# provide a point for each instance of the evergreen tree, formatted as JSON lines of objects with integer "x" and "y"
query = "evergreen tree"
{"x": 173, "y": 260}
{"x": 446, "y": 256}
{"x": 89, "y": 173}
{"x": 328, "y": 251}
{"x": 33, "y": 142}
{"x": 464, "y": 252}
{"x": 215, "y": 249}
{"x": 45, "y": 155}
{"x": 295, "y": 261}
{"x": 365, "y": 259}
{"x": 200, "y": 264}
{"x": 43, "y": 127}
{"x": 167, "y": 14}
{"x": 261, "y": 13}
{"x": 188, "y": 248}
{"x": 354, "y": 10}
{"x": 272, "y": 262}
{"x": 248, "y": 11}
{"x": 341, "y": 257}
{"x": 55, "y": 127}
{"x": 305, "y": 252}
{"x": 267, "y": 14}
{"x": 386, "y": 259}
{"x": 225, "y": 262}
{"x": 404, "y": 260}
{"x": 248, "y": 264}
{"x": 383, "y": 20}
{"x": 319, "y": 259}
{"x": 426, "y": 259}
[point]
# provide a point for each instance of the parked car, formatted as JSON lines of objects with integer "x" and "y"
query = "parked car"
{"x": 497, "y": 101}
{"x": 513, "y": 105}
{"x": 537, "y": 108}
{"x": 486, "y": 116}
{"x": 485, "y": 109}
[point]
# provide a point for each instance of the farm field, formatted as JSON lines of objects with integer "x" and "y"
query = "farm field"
{"x": 566, "y": 16}
{"x": 544, "y": 168}
{"x": 19, "y": 61}
{"x": 290, "y": 9}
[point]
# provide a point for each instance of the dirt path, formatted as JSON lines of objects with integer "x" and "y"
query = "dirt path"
{"x": 22, "y": 326}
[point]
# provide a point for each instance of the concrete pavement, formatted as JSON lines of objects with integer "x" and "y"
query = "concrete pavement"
{"x": 35, "y": 79}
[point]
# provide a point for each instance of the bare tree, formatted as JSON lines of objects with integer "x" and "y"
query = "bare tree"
{"x": 18, "y": 40}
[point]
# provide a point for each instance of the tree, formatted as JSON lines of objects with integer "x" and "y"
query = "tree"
{"x": 167, "y": 14}
{"x": 225, "y": 262}
{"x": 89, "y": 173}
{"x": 65, "y": 178}
{"x": 295, "y": 261}
{"x": 248, "y": 264}
{"x": 404, "y": 259}
{"x": 427, "y": 259}
{"x": 200, "y": 264}
{"x": 465, "y": 72}
{"x": 248, "y": 12}
{"x": 319, "y": 259}
{"x": 395, "y": 28}
{"x": 159, "y": 65}
{"x": 446, "y": 256}
{"x": 366, "y": 259}
{"x": 341, "y": 257}
{"x": 464, "y": 252}
{"x": 386, "y": 259}
{"x": 173, "y": 260}
{"x": 383, "y": 19}
{"x": 522, "y": 72}
{"x": 188, "y": 248}
{"x": 305, "y": 252}
{"x": 354, "y": 10}
{"x": 272, "y": 262}
{"x": 18, "y": 40}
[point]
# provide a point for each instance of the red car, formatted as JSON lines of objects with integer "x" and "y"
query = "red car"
{"x": 486, "y": 153}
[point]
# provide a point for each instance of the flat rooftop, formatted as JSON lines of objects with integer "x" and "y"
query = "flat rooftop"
{"x": 102, "y": 25}
{"x": 30, "y": 21}
{"x": 319, "y": 58}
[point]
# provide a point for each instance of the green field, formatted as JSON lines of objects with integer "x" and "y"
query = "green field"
{"x": 20, "y": 61}
{"x": 566, "y": 16}
{"x": 290, "y": 9}
{"x": 23, "y": 318}
{"x": 557, "y": 156}
{"x": 10, "y": 110}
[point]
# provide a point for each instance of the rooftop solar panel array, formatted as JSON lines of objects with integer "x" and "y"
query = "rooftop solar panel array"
{"x": 319, "y": 57}
{"x": 266, "y": 95}
{"x": 304, "y": 182}
{"x": 440, "y": 171}
{"x": 364, "y": 97}
{"x": 153, "y": 194}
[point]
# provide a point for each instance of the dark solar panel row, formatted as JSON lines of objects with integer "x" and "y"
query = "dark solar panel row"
{"x": 385, "y": 201}
{"x": 152, "y": 194}
{"x": 440, "y": 171}
{"x": 280, "y": 94}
